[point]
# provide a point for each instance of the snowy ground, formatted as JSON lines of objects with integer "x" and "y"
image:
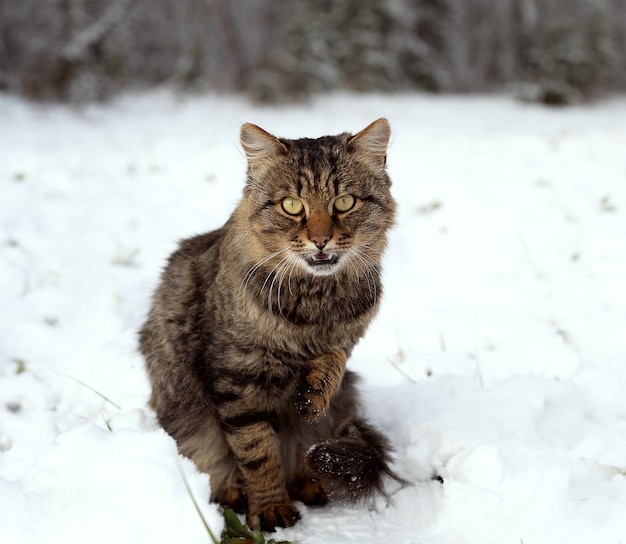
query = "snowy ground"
{"x": 498, "y": 360}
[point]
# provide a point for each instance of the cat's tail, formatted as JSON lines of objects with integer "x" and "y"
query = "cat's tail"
{"x": 354, "y": 465}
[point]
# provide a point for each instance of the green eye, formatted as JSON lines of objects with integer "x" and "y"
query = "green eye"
{"x": 292, "y": 206}
{"x": 344, "y": 203}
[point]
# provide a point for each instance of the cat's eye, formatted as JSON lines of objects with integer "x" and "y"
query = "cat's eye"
{"x": 292, "y": 206}
{"x": 344, "y": 203}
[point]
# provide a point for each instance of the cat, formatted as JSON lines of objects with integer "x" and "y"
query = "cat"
{"x": 250, "y": 329}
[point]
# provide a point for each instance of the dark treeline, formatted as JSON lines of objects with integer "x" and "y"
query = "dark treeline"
{"x": 554, "y": 51}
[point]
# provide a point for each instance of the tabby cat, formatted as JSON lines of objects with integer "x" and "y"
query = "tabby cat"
{"x": 250, "y": 329}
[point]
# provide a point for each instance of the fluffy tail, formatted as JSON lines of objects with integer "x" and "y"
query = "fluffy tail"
{"x": 355, "y": 465}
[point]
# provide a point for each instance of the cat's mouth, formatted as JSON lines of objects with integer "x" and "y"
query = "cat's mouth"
{"x": 322, "y": 260}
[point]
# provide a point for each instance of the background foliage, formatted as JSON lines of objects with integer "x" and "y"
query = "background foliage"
{"x": 554, "y": 51}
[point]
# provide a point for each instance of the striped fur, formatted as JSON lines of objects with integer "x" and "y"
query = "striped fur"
{"x": 249, "y": 333}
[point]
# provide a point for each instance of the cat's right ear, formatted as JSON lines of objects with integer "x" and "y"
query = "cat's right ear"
{"x": 371, "y": 143}
{"x": 260, "y": 145}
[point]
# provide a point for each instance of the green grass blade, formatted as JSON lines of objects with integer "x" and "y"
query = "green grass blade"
{"x": 197, "y": 507}
{"x": 107, "y": 399}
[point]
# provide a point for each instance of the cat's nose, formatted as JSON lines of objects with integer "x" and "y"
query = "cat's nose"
{"x": 319, "y": 228}
{"x": 320, "y": 241}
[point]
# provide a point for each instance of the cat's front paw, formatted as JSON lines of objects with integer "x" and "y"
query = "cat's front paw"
{"x": 270, "y": 517}
{"x": 311, "y": 400}
{"x": 320, "y": 380}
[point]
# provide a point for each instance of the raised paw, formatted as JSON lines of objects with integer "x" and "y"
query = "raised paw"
{"x": 310, "y": 402}
{"x": 319, "y": 382}
{"x": 270, "y": 517}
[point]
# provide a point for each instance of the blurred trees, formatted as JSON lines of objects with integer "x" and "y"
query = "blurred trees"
{"x": 554, "y": 51}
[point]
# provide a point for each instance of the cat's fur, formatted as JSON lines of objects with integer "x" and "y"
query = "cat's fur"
{"x": 247, "y": 340}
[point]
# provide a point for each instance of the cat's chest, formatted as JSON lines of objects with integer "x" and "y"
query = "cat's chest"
{"x": 299, "y": 336}
{"x": 296, "y": 319}
{"x": 324, "y": 304}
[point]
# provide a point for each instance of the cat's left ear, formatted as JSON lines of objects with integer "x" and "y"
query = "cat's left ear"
{"x": 372, "y": 142}
{"x": 260, "y": 146}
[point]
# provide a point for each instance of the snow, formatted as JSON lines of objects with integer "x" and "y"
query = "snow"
{"x": 496, "y": 362}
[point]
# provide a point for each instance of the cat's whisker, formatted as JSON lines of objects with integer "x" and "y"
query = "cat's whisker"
{"x": 355, "y": 257}
{"x": 274, "y": 272}
{"x": 279, "y": 274}
{"x": 257, "y": 265}
{"x": 373, "y": 278}
{"x": 297, "y": 260}
{"x": 369, "y": 264}
{"x": 270, "y": 273}
{"x": 366, "y": 249}
{"x": 356, "y": 272}
{"x": 293, "y": 266}
{"x": 292, "y": 260}
{"x": 241, "y": 293}
{"x": 370, "y": 249}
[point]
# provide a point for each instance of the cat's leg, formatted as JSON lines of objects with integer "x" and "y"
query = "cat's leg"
{"x": 320, "y": 381}
{"x": 254, "y": 445}
{"x": 206, "y": 446}
{"x": 239, "y": 448}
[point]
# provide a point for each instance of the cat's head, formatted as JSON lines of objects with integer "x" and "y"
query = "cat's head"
{"x": 319, "y": 205}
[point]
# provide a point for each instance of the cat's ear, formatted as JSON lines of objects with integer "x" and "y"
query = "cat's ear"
{"x": 372, "y": 142}
{"x": 260, "y": 145}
